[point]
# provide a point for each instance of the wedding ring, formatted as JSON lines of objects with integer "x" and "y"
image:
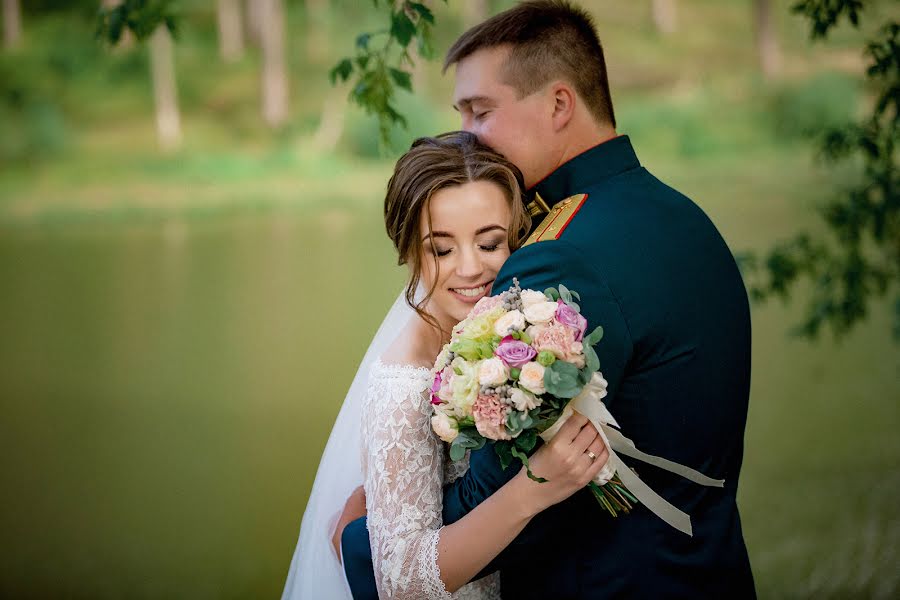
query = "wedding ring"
{"x": 592, "y": 455}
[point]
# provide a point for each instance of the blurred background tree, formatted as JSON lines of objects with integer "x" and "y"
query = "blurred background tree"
{"x": 856, "y": 260}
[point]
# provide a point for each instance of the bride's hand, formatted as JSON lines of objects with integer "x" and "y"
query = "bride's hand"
{"x": 354, "y": 508}
{"x": 565, "y": 463}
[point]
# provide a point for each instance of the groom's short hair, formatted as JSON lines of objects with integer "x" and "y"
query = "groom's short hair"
{"x": 548, "y": 39}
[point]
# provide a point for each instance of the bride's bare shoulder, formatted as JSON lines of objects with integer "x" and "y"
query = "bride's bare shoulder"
{"x": 411, "y": 347}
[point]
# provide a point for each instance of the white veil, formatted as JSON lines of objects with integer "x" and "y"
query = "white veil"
{"x": 315, "y": 572}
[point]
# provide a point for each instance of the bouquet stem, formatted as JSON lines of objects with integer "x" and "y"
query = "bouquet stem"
{"x": 613, "y": 496}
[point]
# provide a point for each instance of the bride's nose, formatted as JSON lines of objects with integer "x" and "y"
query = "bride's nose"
{"x": 470, "y": 265}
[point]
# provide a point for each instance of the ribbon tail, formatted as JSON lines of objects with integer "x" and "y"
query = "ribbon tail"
{"x": 653, "y": 501}
{"x": 622, "y": 444}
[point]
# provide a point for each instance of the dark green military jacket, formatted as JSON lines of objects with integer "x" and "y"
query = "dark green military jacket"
{"x": 653, "y": 270}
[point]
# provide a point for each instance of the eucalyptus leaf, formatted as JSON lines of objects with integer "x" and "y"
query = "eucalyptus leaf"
{"x": 504, "y": 452}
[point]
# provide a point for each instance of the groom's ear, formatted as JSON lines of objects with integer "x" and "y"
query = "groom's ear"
{"x": 564, "y": 100}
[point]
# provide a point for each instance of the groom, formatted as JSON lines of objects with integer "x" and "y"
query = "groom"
{"x": 653, "y": 270}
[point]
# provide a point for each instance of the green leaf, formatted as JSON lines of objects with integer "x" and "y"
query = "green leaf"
{"x": 424, "y": 12}
{"x": 527, "y": 441}
{"x": 595, "y": 336}
{"x": 552, "y": 293}
{"x": 524, "y": 458}
{"x": 576, "y": 295}
{"x": 561, "y": 379}
{"x": 457, "y": 450}
{"x": 341, "y": 71}
{"x": 401, "y": 78}
{"x": 592, "y": 361}
{"x": 565, "y": 294}
{"x": 402, "y": 28}
{"x": 504, "y": 451}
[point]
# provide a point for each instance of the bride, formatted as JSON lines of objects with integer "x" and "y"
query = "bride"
{"x": 454, "y": 213}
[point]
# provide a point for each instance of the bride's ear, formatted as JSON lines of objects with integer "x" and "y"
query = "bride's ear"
{"x": 564, "y": 101}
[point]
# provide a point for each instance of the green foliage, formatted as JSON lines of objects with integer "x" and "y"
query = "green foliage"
{"x": 379, "y": 70}
{"x": 825, "y": 14}
{"x": 140, "y": 17}
{"x": 562, "y": 379}
{"x": 826, "y": 101}
{"x": 860, "y": 260}
{"x": 468, "y": 439}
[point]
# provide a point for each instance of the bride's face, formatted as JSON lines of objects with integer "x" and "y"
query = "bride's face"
{"x": 467, "y": 246}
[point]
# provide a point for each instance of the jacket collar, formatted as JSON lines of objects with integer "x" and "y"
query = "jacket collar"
{"x": 589, "y": 168}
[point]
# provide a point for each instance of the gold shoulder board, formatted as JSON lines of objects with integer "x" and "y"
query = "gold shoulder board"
{"x": 557, "y": 220}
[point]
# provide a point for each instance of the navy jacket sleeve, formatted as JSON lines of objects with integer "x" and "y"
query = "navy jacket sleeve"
{"x": 357, "y": 560}
{"x": 539, "y": 266}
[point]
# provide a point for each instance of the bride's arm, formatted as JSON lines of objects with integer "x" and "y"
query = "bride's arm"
{"x": 413, "y": 556}
{"x": 467, "y": 546}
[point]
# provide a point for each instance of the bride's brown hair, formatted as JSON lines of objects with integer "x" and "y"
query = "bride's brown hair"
{"x": 432, "y": 164}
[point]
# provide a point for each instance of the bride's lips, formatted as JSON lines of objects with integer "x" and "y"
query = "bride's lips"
{"x": 481, "y": 291}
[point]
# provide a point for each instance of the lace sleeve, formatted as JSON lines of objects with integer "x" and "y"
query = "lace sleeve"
{"x": 404, "y": 465}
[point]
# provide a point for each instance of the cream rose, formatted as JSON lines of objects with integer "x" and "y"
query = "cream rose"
{"x": 532, "y": 378}
{"x": 523, "y": 400}
{"x": 541, "y": 312}
{"x": 444, "y": 427}
{"x": 492, "y": 372}
{"x": 511, "y": 321}
{"x": 531, "y": 297}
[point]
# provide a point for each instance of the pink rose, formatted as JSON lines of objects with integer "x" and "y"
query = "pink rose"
{"x": 513, "y": 352}
{"x": 490, "y": 417}
{"x": 566, "y": 315}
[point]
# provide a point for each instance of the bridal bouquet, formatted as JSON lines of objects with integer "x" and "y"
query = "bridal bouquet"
{"x": 510, "y": 374}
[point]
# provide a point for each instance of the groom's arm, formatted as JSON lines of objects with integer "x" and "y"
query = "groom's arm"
{"x": 539, "y": 266}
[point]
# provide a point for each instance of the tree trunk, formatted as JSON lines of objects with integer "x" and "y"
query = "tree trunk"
{"x": 231, "y": 34}
{"x": 474, "y": 12}
{"x": 254, "y": 21}
{"x": 331, "y": 123}
{"x": 766, "y": 39}
{"x": 665, "y": 16}
{"x": 162, "y": 64}
{"x": 12, "y": 24}
{"x": 316, "y": 30}
{"x": 274, "y": 69}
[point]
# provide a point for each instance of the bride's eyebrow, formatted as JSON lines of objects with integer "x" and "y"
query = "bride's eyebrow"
{"x": 490, "y": 228}
{"x": 436, "y": 234}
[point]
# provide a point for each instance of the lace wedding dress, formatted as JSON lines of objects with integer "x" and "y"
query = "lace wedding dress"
{"x": 404, "y": 467}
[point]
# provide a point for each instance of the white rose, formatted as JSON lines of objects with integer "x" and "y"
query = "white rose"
{"x": 542, "y": 312}
{"x": 523, "y": 400}
{"x": 531, "y": 297}
{"x": 444, "y": 427}
{"x": 511, "y": 321}
{"x": 492, "y": 372}
{"x": 532, "y": 378}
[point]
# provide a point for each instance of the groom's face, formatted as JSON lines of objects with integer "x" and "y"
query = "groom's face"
{"x": 519, "y": 128}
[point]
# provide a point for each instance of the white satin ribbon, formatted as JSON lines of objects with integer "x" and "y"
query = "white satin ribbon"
{"x": 590, "y": 403}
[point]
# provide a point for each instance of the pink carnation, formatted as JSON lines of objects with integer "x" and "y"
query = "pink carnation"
{"x": 485, "y": 304}
{"x": 556, "y": 338}
{"x": 490, "y": 417}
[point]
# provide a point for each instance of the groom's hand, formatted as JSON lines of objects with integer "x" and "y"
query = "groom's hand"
{"x": 354, "y": 508}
